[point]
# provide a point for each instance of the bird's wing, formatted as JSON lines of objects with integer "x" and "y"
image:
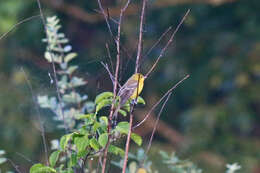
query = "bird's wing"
{"x": 126, "y": 91}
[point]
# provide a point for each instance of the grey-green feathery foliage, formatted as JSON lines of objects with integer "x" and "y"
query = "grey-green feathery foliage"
{"x": 58, "y": 51}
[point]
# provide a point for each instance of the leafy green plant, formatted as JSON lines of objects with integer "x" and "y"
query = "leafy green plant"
{"x": 87, "y": 122}
{"x": 89, "y": 138}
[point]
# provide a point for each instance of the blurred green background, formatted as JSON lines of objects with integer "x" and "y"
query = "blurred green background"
{"x": 212, "y": 119}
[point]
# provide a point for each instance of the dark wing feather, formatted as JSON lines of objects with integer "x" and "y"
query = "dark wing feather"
{"x": 126, "y": 91}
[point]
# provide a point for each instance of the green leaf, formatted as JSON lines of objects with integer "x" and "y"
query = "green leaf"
{"x": 127, "y": 107}
{"x": 103, "y": 96}
{"x": 123, "y": 127}
{"x": 40, "y": 168}
{"x": 102, "y": 104}
{"x": 54, "y": 158}
{"x": 71, "y": 69}
{"x": 2, "y": 160}
{"x": 81, "y": 143}
{"x": 96, "y": 126}
{"x": 48, "y": 56}
{"x": 90, "y": 106}
{"x": 64, "y": 141}
{"x": 122, "y": 112}
{"x": 84, "y": 116}
{"x": 69, "y": 57}
{"x": 94, "y": 144}
{"x": 71, "y": 97}
{"x": 2, "y": 152}
{"x": 140, "y": 100}
{"x": 116, "y": 150}
{"x": 73, "y": 160}
{"x": 103, "y": 120}
{"x": 102, "y": 139}
{"x": 81, "y": 154}
{"x": 132, "y": 167}
{"x": 136, "y": 138}
{"x": 76, "y": 81}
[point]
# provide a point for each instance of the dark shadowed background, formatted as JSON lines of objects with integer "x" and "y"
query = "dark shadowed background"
{"x": 213, "y": 118}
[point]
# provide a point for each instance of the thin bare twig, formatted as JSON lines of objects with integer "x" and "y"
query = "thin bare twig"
{"x": 24, "y": 157}
{"x": 128, "y": 140}
{"x": 54, "y": 71}
{"x": 130, "y": 128}
{"x": 156, "y": 123}
{"x": 16, "y": 167}
{"x": 109, "y": 56}
{"x": 156, "y": 43}
{"x": 140, "y": 37}
{"x": 17, "y": 24}
{"x": 38, "y": 115}
{"x": 107, "y": 69}
{"x": 168, "y": 43}
{"x": 106, "y": 18}
{"x": 158, "y": 102}
{"x": 110, "y": 74}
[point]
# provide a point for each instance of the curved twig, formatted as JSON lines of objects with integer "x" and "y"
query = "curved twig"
{"x": 168, "y": 43}
{"x": 158, "y": 102}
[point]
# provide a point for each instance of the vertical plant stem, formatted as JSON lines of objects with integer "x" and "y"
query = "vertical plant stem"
{"x": 128, "y": 141}
{"x": 115, "y": 81}
{"x": 139, "y": 49}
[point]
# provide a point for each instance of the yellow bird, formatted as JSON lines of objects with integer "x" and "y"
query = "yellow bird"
{"x": 130, "y": 90}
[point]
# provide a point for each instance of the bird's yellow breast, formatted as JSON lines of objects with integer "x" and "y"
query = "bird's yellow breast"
{"x": 140, "y": 78}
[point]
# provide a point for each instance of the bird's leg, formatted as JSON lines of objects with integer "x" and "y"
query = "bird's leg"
{"x": 134, "y": 102}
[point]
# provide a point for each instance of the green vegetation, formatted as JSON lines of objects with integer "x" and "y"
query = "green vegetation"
{"x": 215, "y": 112}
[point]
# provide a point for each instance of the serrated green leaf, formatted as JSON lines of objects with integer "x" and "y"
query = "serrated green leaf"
{"x": 64, "y": 141}
{"x": 116, "y": 150}
{"x": 40, "y": 168}
{"x": 54, "y": 158}
{"x": 69, "y": 57}
{"x": 121, "y": 111}
{"x": 102, "y": 104}
{"x": 81, "y": 143}
{"x": 136, "y": 138}
{"x": 123, "y": 127}
{"x": 103, "y": 96}
{"x": 94, "y": 144}
{"x": 102, "y": 139}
